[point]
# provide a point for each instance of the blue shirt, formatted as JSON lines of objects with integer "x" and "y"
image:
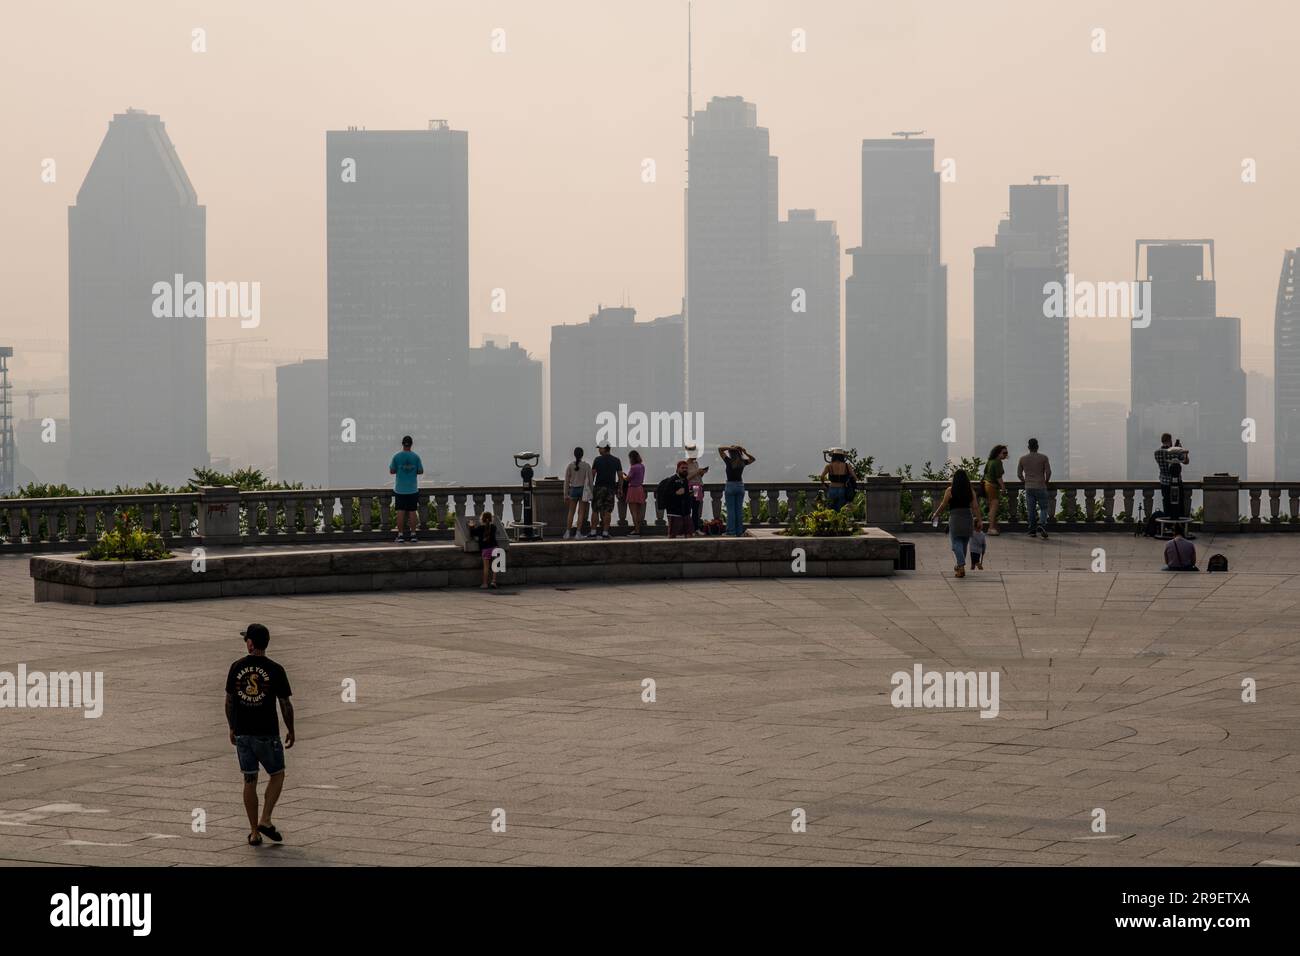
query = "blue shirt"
{"x": 408, "y": 466}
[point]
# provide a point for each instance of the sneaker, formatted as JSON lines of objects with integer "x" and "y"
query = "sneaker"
{"x": 398, "y": 540}
{"x": 410, "y": 539}
{"x": 591, "y": 534}
{"x": 604, "y": 534}
{"x": 994, "y": 531}
{"x": 1042, "y": 533}
{"x": 634, "y": 534}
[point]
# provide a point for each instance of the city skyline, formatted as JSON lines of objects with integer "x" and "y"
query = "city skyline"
{"x": 990, "y": 150}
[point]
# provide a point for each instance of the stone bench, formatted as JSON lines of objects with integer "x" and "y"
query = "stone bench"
{"x": 308, "y": 570}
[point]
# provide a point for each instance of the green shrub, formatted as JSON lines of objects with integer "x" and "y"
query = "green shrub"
{"x": 823, "y": 523}
{"x": 128, "y": 544}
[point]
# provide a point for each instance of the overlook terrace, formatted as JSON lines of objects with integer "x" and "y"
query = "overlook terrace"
{"x": 365, "y": 514}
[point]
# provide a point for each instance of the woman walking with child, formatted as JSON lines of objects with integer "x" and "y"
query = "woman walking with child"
{"x": 963, "y": 517}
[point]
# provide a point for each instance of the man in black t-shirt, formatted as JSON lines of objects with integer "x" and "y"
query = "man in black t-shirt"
{"x": 606, "y": 473}
{"x": 253, "y": 685}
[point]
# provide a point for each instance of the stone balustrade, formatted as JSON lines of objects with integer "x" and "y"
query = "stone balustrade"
{"x": 229, "y": 517}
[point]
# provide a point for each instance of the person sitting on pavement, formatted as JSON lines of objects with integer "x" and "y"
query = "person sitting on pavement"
{"x": 1180, "y": 554}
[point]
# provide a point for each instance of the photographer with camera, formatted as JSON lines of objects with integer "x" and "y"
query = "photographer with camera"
{"x": 1170, "y": 451}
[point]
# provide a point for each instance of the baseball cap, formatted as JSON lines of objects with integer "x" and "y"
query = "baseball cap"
{"x": 257, "y": 633}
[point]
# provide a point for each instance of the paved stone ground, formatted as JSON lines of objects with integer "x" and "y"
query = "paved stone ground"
{"x": 1119, "y": 690}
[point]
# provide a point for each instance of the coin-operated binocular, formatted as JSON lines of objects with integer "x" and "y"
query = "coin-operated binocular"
{"x": 526, "y": 461}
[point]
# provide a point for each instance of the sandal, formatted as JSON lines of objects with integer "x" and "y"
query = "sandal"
{"x": 254, "y": 839}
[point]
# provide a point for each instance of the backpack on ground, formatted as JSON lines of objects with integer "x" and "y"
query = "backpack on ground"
{"x": 1218, "y": 562}
{"x": 1151, "y": 529}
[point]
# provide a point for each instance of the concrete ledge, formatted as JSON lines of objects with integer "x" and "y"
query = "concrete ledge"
{"x": 384, "y": 567}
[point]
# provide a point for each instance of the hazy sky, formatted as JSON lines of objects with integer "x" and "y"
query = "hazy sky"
{"x": 1150, "y": 135}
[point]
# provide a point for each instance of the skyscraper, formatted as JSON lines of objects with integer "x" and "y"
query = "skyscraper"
{"x": 733, "y": 276}
{"x": 1186, "y": 365}
{"x": 398, "y": 263}
{"x": 612, "y": 360}
{"x": 137, "y": 374}
{"x": 302, "y": 422}
{"x": 809, "y": 326}
{"x": 896, "y": 311}
{"x": 8, "y": 451}
{"x": 491, "y": 431}
{"x": 1286, "y": 372}
{"x": 1022, "y": 354}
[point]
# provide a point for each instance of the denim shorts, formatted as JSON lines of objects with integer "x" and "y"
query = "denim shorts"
{"x": 575, "y": 492}
{"x": 267, "y": 751}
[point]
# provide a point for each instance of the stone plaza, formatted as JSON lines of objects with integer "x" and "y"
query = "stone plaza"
{"x": 1121, "y": 691}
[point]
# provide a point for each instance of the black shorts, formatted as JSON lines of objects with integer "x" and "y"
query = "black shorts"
{"x": 409, "y": 502}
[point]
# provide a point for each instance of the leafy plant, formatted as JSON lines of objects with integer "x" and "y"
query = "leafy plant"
{"x": 126, "y": 543}
{"x": 822, "y": 523}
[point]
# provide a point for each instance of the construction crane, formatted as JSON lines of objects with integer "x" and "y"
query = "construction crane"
{"x": 908, "y": 133}
{"x": 36, "y": 392}
{"x": 234, "y": 345}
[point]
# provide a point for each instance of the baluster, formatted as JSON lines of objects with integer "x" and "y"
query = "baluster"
{"x": 480, "y": 505}
{"x": 499, "y": 506}
{"x": 517, "y": 506}
{"x": 773, "y": 506}
{"x": 92, "y": 522}
{"x": 460, "y": 505}
{"x": 1274, "y": 504}
{"x": 440, "y": 509}
{"x": 146, "y": 516}
{"x": 34, "y": 524}
{"x": 385, "y": 517}
{"x": 1254, "y": 505}
{"x": 366, "y": 501}
{"x": 1089, "y": 505}
{"x": 1148, "y": 501}
{"x": 715, "y": 503}
{"x": 1293, "y": 497}
{"x": 309, "y": 515}
{"x": 1130, "y": 517}
{"x": 1108, "y": 504}
{"x": 15, "y": 525}
{"x": 70, "y": 522}
{"x": 755, "y": 504}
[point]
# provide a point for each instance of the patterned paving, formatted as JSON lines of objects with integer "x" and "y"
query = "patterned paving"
{"x": 1119, "y": 690}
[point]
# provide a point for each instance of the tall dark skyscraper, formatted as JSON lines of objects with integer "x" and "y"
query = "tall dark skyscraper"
{"x": 137, "y": 379}
{"x": 896, "y": 311}
{"x": 1286, "y": 371}
{"x": 808, "y": 310}
{"x": 1186, "y": 366}
{"x": 733, "y": 277}
{"x": 1022, "y": 356}
{"x": 398, "y": 260}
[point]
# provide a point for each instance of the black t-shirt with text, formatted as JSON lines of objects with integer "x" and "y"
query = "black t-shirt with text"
{"x": 604, "y": 470}
{"x": 256, "y": 683}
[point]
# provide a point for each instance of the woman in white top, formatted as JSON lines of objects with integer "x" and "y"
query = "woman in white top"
{"x": 577, "y": 484}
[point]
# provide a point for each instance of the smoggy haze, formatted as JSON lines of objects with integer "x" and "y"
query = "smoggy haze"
{"x": 1150, "y": 137}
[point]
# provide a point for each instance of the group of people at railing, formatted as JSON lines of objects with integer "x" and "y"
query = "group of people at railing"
{"x": 601, "y": 483}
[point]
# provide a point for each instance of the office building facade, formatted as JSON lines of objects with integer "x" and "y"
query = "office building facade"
{"x": 137, "y": 372}
{"x": 896, "y": 311}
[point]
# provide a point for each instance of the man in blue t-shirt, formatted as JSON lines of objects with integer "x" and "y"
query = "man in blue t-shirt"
{"x": 406, "y": 465}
